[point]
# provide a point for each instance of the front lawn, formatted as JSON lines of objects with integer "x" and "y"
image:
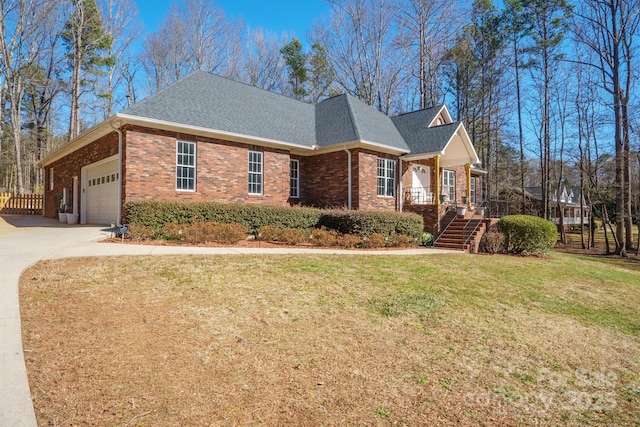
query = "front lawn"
{"x": 333, "y": 340}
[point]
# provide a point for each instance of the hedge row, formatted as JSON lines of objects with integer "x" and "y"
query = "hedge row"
{"x": 156, "y": 214}
{"x": 365, "y": 223}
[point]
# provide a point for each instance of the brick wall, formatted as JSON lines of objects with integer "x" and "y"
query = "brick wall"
{"x": 323, "y": 180}
{"x": 365, "y": 192}
{"x": 221, "y": 169}
{"x": 66, "y": 168}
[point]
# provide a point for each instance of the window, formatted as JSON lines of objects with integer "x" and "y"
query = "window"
{"x": 449, "y": 184}
{"x": 255, "y": 172}
{"x": 386, "y": 177}
{"x": 294, "y": 179}
{"x": 473, "y": 190}
{"x": 185, "y": 166}
{"x": 51, "y": 179}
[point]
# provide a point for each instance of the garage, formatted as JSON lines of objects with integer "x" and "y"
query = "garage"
{"x": 100, "y": 189}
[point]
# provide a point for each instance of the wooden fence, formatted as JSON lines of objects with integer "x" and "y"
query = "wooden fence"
{"x": 26, "y": 204}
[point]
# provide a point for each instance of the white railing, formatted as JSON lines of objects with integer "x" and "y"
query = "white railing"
{"x": 419, "y": 195}
{"x": 571, "y": 220}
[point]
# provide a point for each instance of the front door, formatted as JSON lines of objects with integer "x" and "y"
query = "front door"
{"x": 421, "y": 185}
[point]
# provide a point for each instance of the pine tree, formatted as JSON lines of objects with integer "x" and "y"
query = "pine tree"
{"x": 88, "y": 46}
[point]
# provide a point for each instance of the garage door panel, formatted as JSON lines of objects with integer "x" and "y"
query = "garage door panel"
{"x": 102, "y": 193}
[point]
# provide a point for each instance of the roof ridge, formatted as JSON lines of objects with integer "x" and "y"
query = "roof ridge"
{"x": 438, "y": 107}
{"x": 356, "y": 129}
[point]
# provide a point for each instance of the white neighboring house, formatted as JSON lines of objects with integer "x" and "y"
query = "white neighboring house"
{"x": 569, "y": 201}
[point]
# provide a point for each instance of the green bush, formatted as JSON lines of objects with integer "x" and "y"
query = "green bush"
{"x": 526, "y": 234}
{"x": 155, "y": 214}
{"x": 426, "y": 239}
{"x": 365, "y": 223}
{"x": 164, "y": 220}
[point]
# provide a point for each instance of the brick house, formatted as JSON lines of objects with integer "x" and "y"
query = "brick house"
{"x": 209, "y": 138}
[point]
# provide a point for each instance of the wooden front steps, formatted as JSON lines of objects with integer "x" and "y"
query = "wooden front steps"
{"x": 456, "y": 234}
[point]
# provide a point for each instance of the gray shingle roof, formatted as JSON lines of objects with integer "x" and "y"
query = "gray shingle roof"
{"x": 343, "y": 118}
{"x": 205, "y": 100}
{"x": 419, "y": 137}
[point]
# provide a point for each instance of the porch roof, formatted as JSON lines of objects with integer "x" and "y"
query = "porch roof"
{"x": 450, "y": 141}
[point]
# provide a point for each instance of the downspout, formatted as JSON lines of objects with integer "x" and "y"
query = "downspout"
{"x": 116, "y": 127}
{"x": 349, "y": 177}
{"x": 400, "y": 197}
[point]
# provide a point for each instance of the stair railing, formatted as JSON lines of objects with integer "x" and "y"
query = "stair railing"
{"x": 470, "y": 228}
{"x": 441, "y": 226}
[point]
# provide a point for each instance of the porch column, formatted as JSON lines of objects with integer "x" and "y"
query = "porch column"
{"x": 437, "y": 183}
{"x": 467, "y": 168}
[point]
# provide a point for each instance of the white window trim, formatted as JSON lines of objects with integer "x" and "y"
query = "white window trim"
{"x": 387, "y": 176}
{"x": 451, "y": 188}
{"x": 195, "y": 162}
{"x": 51, "y": 179}
{"x": 260, "y": 174}
{"x": 296, "y": 178}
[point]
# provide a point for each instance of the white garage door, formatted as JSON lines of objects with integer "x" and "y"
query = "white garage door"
{"x": 102, "y": 193}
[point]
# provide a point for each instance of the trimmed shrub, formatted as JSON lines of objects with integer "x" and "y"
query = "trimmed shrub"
{"x": 228, "y": 233}
{"x": 139, "y": 232}
{"x": 401, "y": 241}
{"x": 349, "y": 241}
{"x": 172, "y": 231}
{"x": 526, "y": 234}
{"x": 292, "y": 236}
{"x": 323, "y": 237}
{"x": 375, "y": 240}
{"x": 269, "y": 233}
{"x": 492, "y": 242}
{"x": 204, "y": 232}
{"x": 155, "y": 214}
{"x": 365, "y": 223}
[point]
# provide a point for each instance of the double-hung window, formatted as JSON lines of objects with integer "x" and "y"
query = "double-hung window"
{"x": 185, "y": 166}
{"x": 449, "y": 184}
{"x": 255, "y": 172}
{"x": 386, "y": 177}
{"x": 473, "y": 190}
{"x": 294, "y": 179}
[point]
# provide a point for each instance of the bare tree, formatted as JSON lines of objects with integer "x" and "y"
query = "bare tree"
{"x": 120, "y": 22}
{"x": 607, "y": 28}
{"x": 427, "y": 30}
{"x": 263, "y": 65}
{"x": 23, "y": 38}
{"x": 549, "y": 19}
{"x": 359, "y": 44}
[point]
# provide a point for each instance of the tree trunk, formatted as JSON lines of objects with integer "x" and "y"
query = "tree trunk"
{"x": 74, "y": 116}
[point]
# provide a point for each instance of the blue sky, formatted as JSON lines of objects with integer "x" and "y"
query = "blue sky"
{"x": 294, "y": 17}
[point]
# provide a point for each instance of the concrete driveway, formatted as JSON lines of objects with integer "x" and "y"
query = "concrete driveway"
{"x": 24, "y": 240}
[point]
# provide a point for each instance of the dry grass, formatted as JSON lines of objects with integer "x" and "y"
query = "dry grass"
{"x": 333, "y": 340}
